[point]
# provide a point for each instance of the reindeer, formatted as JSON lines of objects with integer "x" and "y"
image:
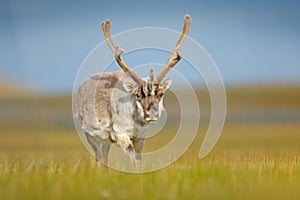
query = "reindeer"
{"x": 118, "y": 107}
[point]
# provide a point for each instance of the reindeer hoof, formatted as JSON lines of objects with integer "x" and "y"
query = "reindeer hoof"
{"x": 130, "y": 148}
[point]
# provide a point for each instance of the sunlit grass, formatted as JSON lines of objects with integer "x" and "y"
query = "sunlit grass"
{"x": 249, "y": 162}
{"x": 41, "y": 156}
{"x": 244, "y": 177}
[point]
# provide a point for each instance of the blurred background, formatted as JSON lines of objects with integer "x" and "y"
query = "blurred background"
{"x": 255, "y": 44}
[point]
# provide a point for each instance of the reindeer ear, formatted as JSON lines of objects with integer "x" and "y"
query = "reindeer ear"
{"x": 130, "y": 87}
{"x": 166, "y": 84}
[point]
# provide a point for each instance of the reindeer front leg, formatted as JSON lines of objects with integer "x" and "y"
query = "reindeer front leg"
{"x": 100, "y": 146}
{"x": 138, "y": 147}
{"x": 126, "y": 145}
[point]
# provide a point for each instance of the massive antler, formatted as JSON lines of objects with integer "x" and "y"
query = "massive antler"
{"x": 118, "y": 52}
{"x": 176, "y": 53}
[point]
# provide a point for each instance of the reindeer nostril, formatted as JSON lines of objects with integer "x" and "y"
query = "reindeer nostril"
{"x": 152, "y": 113}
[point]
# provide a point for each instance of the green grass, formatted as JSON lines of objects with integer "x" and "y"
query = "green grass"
{"x": 249, "y": 162}
{"x": 245, "y": 177}
{"x": 41, "y": 156}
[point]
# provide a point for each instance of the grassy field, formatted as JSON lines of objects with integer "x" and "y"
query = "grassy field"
{"x": 257, "y": 156}
{"x": 243, "y": 165}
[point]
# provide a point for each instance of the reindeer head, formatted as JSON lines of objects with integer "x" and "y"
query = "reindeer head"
{"x": 148, "y": 92}
{"x": 149, "y": 97}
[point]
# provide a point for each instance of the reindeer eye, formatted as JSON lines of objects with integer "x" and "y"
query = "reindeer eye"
{"x": 140, "y": 96}
{"x": 161, "y": 94}
{"x": 143, "y": 93}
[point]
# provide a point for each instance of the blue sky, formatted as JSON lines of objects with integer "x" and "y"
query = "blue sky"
{"x": 43, "y": 43}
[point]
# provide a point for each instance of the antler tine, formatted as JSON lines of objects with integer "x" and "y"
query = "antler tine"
{"x": 118, "y": 52}
{"x": 151, "y": 75}
{"x": 176, "y": 53}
